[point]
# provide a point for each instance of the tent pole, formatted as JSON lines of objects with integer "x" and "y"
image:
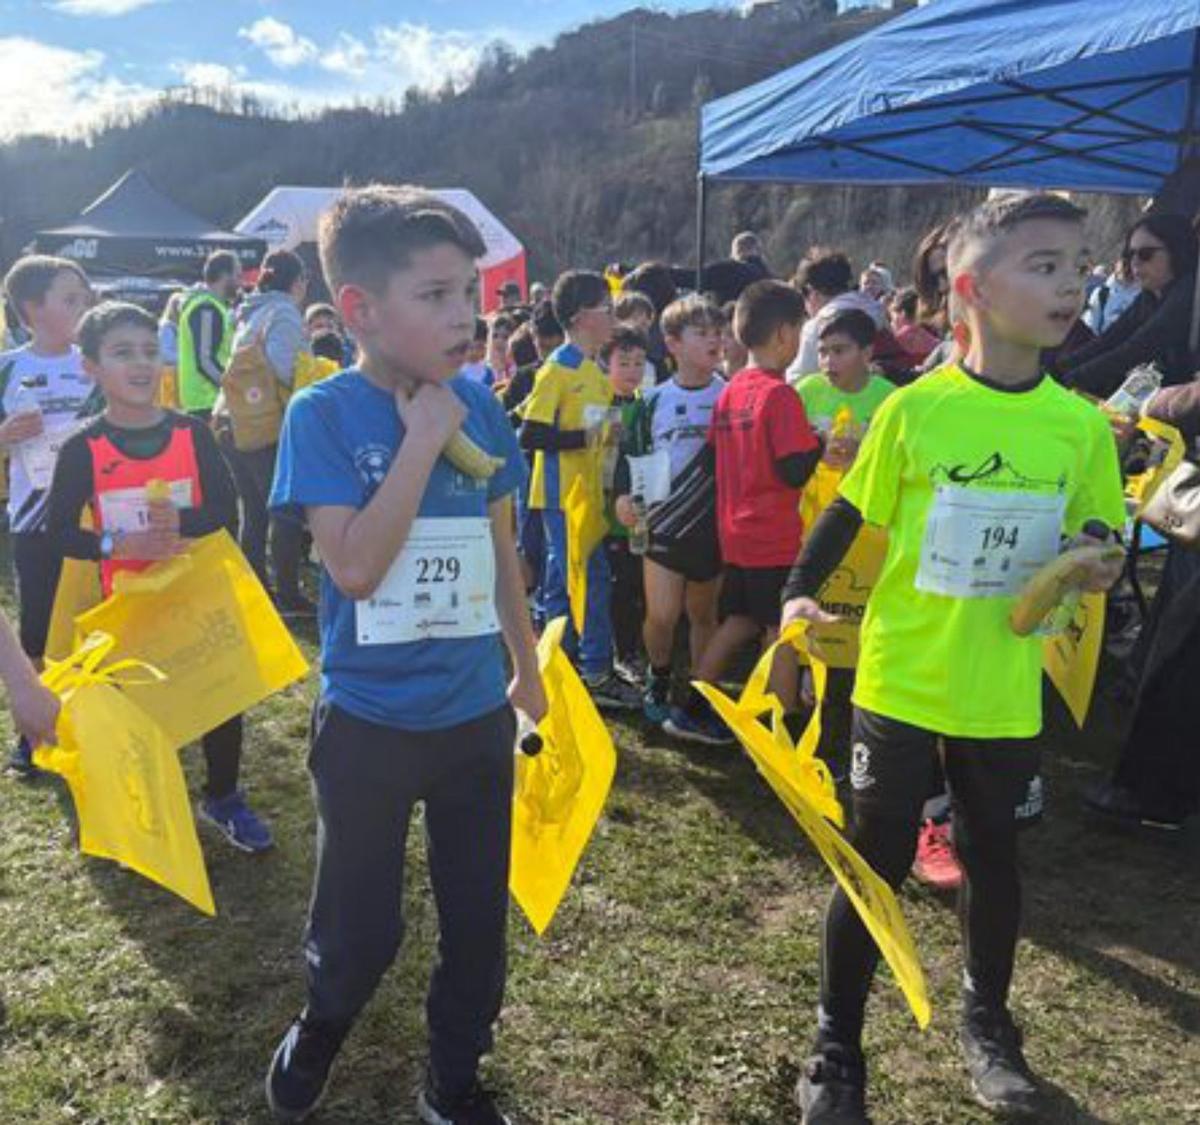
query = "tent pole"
{"x": 701, "y": 222}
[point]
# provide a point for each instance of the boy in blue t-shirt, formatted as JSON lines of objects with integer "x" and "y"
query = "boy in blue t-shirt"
{"x": 420, "y": 578}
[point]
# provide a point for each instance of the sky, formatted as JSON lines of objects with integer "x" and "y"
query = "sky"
{"x": 66, "y": 63}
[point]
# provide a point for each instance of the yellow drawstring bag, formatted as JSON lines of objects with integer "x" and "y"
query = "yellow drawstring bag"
{"x": 203, "y": 619}
{"x": 1169, "y": 441}
{"x": 168, "y": 387}
{"x": 586, "y": 526}
{"x": 560, "y": 793}
{"x": 1072, "y": 657}
{"x": 124, "y": 775}
{"x": 802, "y": 782}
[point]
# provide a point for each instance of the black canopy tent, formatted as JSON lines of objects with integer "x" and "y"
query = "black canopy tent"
{"x": 134, "y": 229}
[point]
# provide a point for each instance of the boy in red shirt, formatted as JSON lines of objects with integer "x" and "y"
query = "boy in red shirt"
{"x": 765, "y": 452}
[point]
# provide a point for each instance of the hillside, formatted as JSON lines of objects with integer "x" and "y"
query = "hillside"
{"x": 586, "y": 148}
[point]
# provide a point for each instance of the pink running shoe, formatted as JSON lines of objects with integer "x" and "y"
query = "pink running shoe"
{"x": 936, "y": 864}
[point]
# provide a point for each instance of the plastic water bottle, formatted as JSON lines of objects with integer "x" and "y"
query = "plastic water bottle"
{"x": 639, "y": 534}
{"x": 25, "y": 401}
{"x": 1135, "y": 392}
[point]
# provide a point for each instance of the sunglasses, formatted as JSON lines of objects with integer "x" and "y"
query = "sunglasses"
{"x": 1142, "y": 253}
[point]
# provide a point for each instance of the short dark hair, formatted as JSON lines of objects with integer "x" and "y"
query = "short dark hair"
{"x": 762, "y": 308}
{"x": 481, "y": 330}
{"x": 976, "y": 234}
{"x": 576, "y": 290}
{"x": 631, "y": 303}
{"x": 30, "y": 279}
{"x": 320, "y": 308}
{"x": 907, "y": 301}
{"x": 108, "y": 316}
{"x": 504, "y": 321}
{"x": 521, "y": 346}
{"x": 656, "y": 281}
{"x": 545, "y": 323}
{"x": 281, "y": 269}
{"x": 1175, "y": 232}
{"x": 625, "y": 338}
{"x": 693, "y": 311}
{"x": 372, "y": 232}
{"x": 825, "y": 270}
{"x": 221, "y": 263}
{"x": 854, "y": 323}
{"x": 329, "y": 345}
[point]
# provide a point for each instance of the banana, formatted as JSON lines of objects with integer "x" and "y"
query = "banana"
{"x": 468, "y": 458}
{"x": 1055, "y": 581}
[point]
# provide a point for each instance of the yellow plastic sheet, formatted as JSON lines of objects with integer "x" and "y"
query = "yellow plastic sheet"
{"x": 1072, "y": 657}
{"x": 560, "y": 793}
{"x": 586, "y": 526}
{"x": 803, "y": 784}
{"x": 124, "y": 775}
{"x": 205, "y": 620}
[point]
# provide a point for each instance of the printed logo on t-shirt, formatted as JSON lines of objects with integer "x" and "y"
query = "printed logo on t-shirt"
{"x": 372, "y": 462}
{"x": 996, "y": 473}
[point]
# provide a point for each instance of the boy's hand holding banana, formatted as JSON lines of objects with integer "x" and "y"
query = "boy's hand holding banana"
{"x": 435, "y": 409}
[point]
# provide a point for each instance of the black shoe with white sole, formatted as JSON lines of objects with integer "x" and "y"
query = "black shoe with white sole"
{"x": 299, "y": 1071}
{"x": 833, "y": 1088}
{"x": 476, "y": 1107}
{"x": 1000, "y": 1077}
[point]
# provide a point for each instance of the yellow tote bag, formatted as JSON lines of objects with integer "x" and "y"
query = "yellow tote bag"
{"x": 586, "y": 526}
{"x": 78, "y": 591}
{"x": 1072, "y": 657}
{"x": 560, "y": 793}
{"x": 203, "y": 619}
{"x": 1169, "y": 448}
{"x": 802, "y": 782}
{"x": 124, "y": 775}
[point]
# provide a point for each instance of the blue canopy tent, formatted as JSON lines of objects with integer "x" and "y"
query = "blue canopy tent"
{"x": 1071, "y": 94}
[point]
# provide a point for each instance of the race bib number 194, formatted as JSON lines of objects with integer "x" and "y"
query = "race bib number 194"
{"x": 981, "y": 544}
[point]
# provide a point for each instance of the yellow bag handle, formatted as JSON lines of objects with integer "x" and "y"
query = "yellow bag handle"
{"x": 83, "y": 667}
{"x": 153, "y": 579}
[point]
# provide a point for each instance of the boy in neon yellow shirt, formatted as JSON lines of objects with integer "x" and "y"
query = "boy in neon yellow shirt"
{"x": 566, "y": 426}
{"x": 978, "y": 471}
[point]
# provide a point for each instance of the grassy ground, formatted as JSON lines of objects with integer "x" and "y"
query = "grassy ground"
{"x": 676, "y": 985}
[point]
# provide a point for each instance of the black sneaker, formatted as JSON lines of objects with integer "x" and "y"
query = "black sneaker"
{"x": 476, "y": 1108}
{"x": 1118, "y": 803}
{"x": 610, "y": 693}
{"x": 300, "y": 1069}
{"x": 833, "y": 1088}
{"x": 20, "y": 761}
{"x": 1000, "y": 1077}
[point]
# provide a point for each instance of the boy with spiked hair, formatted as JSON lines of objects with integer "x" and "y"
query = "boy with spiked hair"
{"x": 978, "y": 471}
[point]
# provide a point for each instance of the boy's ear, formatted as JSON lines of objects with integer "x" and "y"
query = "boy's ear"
{"x": 673, "y": 343}
{"x": 966, "y": 287}
{"x": 355, "y": 306}
{"x": 91, "y": 369}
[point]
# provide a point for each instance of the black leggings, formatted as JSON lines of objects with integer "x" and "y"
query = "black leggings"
{"x": 223, "y": 756}
{"x": 891, "y": 770}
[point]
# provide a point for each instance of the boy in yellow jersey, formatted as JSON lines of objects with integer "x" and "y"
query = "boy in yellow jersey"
{"x": 566, "y": 416}
{"x": 978, "y": 471}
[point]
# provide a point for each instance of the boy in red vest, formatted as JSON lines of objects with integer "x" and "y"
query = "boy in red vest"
{"x": 105, "y": 469}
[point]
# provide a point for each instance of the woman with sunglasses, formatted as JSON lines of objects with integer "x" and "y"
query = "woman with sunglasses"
{"x": 1161, "y": 252}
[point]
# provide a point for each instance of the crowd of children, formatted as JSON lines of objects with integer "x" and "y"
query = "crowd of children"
{"x": 709, "y": 439}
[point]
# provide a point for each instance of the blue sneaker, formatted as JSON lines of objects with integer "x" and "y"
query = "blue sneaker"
{"x": 655, "y": 706}
{"x": 237, "y": 822}
{"x": 20, "y": 761}
{"x": 299, "y": 1071}
{"x": 705, "y": 729}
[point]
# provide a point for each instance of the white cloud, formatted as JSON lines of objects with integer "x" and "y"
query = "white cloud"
{"x": 279, "y": 42}
{"x": 348, "y": 55}
{"x": 419, "y": 56}
{"x": 100, "y": 7}
{"x": 48, "y": 89}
